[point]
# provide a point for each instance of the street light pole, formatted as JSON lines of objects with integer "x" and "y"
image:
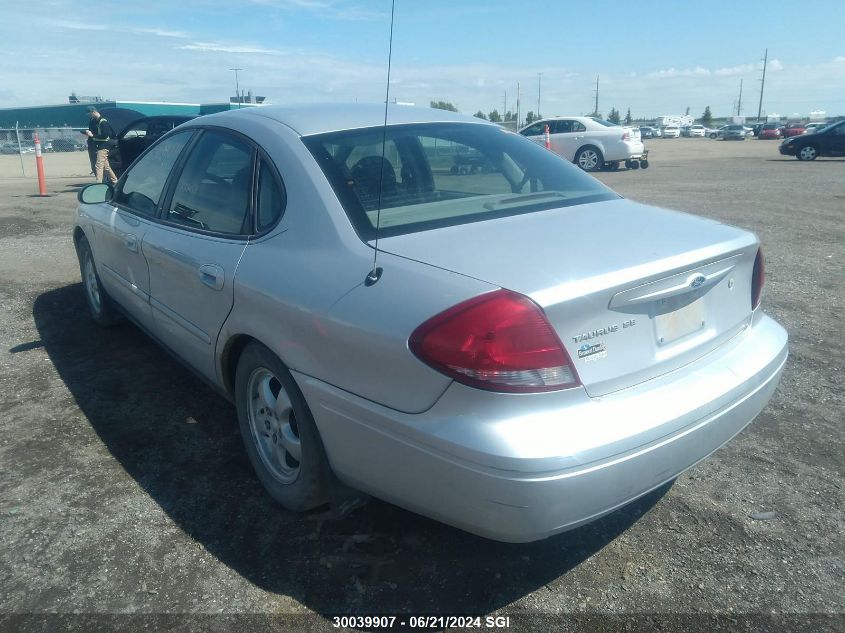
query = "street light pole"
{"x": 539, "y": 82}
{"x": 237, "y": 86}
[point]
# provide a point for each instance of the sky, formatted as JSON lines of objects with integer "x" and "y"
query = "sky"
{"x": 653, "y": 57}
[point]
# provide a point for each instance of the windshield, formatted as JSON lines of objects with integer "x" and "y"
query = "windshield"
{"x": 442, "y": 174}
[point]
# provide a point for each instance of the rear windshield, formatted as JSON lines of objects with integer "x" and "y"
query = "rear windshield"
{"x": 604, "y": 123}
{"x": 427, "y": 176}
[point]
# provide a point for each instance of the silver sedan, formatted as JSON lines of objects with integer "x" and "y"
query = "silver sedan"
{"x": 435, "y": 311}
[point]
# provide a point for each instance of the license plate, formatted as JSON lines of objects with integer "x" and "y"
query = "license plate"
{"x": 676, "y": 322}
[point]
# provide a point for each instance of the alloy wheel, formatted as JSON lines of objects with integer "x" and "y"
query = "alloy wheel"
{"x": 273, "y": 425}
{"x": 807, "y": 153}
{"x": 92, "y": 288}
{"x": 588, "y": 160}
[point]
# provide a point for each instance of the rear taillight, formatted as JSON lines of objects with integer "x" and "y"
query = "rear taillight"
{"x": 758, "y": 279}
{"x": 626, "y": 136}
{"x": 500, "y": 341}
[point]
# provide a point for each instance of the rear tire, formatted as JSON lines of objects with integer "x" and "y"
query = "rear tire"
{"x": 808, "y": 152}
{"x": 589, "y": 158}
{"x": 99, "y": 303}
{"x": 635, "y": 164}
{"x": 612, "y": 165}
{"x": 279, "y": 433}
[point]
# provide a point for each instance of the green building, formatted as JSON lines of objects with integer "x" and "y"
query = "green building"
{"x": 62, "y": 119}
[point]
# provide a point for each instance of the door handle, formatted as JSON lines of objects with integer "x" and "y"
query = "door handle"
{"x": 212, "y": 276}
{"x": 131, "y": 243}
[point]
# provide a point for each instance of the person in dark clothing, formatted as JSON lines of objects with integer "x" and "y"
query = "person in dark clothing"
{"x": 92, "y": 150}
{"x": 101, "y": 134}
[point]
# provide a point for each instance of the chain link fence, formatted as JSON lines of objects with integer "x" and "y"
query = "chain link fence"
{"x": 63, "y": 148}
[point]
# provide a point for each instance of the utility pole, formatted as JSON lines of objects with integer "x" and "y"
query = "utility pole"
{"x": 596, "y": 109}
{"x": 739, "y": 104}
{"x": 762, "y": 85}
{"x": 539, "y": 81}
{"x": 505, "y": 106}
{"x": 518, "y": 95}
{"x": 237, "y": 86}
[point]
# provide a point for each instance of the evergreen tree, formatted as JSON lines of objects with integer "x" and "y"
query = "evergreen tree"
{"x": 707, "y": 118}
{"x": 443, "y": 105}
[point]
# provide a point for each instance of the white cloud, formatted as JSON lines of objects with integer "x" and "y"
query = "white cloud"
{"x": 80, "y": 26}
{"x": 218, "y": 47}
{"x": 332, "y": 9}
{"x": 733, "y": 71}
{"x": 163, "y": 33}
{"x": 684, "y": 72}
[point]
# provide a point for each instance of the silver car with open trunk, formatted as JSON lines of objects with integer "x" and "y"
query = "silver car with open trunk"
{"x": 436, "y": 311}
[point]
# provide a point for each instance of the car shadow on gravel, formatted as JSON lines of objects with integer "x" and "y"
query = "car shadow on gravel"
{"x": 178, "y": 439}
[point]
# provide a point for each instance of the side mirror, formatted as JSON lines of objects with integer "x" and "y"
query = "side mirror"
{"x": 98, "y": 192}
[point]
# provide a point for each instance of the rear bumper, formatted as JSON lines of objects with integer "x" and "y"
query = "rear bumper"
{"x": 623, "y": 150}
{"x": 518, "y": 474}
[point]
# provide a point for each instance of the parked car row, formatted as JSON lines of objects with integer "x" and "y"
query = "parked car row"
{"x": 14, "y": 148}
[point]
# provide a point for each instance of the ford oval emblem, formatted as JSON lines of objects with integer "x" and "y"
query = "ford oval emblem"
{"x": 696, "y": 281}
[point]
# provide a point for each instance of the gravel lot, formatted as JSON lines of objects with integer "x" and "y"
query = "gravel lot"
{"x": 124, "y": 487}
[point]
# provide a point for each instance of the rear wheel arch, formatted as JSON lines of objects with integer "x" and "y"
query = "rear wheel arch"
{"x": 232, "y": 351}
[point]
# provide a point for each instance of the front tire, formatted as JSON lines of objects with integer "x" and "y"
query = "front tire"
{"x": 808, "y": 152}
{"x": 99, "y": 303}
{"x": 279, "y": 433}
{"x": 589, "y": 158}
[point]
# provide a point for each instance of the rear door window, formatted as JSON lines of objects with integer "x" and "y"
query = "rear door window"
{"x": 271, "y": 198}
{"x": 560, "y": 127}
{"x": 214, "y": 190}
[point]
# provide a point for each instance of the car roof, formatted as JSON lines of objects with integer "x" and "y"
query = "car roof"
{"x": 306, "y": 120}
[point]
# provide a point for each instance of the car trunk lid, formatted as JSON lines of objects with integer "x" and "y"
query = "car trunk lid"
{"x": 632, "y": 291}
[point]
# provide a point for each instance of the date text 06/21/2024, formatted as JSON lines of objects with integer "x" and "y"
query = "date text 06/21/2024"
{"x": 421, "y": 621}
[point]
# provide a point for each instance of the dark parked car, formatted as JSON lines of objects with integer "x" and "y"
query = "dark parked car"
{"x": 68, "y": 145}
{"x": 829, "y": 141}
{"x": 137, "y": 136}
{"x": 646, "y": 132}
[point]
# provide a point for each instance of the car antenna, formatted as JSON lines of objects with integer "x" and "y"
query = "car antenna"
{"x": 375, "y": 274}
